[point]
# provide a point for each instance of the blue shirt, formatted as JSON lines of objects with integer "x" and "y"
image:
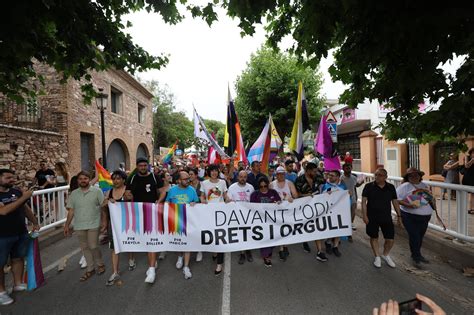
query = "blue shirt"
{"x": 291, "y": 177}
{"x": 180, "y": 195}
{"x": 333, "y": 187}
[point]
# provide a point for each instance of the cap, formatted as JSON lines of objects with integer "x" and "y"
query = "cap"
{"x": 280, "y": 169}
{"x": 142, "y": 159}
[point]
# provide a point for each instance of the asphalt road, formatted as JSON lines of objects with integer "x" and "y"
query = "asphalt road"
{"x": 301, "y": 285}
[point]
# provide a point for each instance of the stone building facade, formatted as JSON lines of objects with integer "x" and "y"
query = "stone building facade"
{"x": 62, "y": 128}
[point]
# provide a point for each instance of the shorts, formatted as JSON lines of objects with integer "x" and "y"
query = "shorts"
{"x": 388, "y": 230}
{"x": 13, "y": 246}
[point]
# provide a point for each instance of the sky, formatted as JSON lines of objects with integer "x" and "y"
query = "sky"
{"x": 203, "y": 60}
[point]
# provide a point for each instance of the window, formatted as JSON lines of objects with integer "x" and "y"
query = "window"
{"x": 141, "y": 113}
{"x": 115, "y": 99}
{"x": 349, "y": 142}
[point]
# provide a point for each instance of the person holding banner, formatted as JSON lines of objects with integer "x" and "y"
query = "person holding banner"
{"x": 144, "y": 186}
{"x": 308, "y": 185}
{"x": 265, "y": 194}
{"x": 116, "y": 194}
{"x": 13, "y": 232}
{"x": 333, "y": 184}
{"x": 241, "y": 191}
{"x": 287, "y": 191}
{"x": 183, "y": 193}
{"x": 215, "y": 190}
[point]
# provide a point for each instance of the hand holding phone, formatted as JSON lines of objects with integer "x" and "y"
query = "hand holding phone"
{"x": 409, "y": 307}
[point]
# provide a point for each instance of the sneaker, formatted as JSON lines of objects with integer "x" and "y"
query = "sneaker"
{"x": 132, "y": 264}
{"x": 111, "y": 281}
{"x": 21, "y": 287}
{"x": 378, "y": 262}
{"x": 249, "y": 256}
{"x": 199, "y": 256}
{"x": 306, "y": 247}
{"x": 83, "y": 262}
{"x": 424, "y": 260}
{"x": 353, "y": 227}
{"x": 5, "y": 299}
{"x": 389, "y": 261}
{"x": 328, "y": 248}
{"x": 150, "y": 275}
{"x": 417, "y": 264}
{"x": 187, "y": 273}
{"x": 241, "y": 259}
{"x": 336, "y": 251}
{"x": 162, "y": 256}
{"x": 321, "y": 257}
{"x": 179, "y": 263}
{"x": 282, "y": 255}
{"x": 267, "y": 262}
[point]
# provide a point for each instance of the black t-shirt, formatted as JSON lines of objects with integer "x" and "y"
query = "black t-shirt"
{"x": 41, "y": 177}
{"x": 252, "y": 179}
{"x": 13, "y": 223}
{"x": 144, "y": 188}
{"x": 379, "y": 201}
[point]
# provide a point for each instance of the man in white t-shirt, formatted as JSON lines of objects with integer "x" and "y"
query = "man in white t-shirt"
{"x": 241, "y": 191}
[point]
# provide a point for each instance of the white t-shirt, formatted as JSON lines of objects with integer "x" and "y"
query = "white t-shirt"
{"x": 240, "y": 193}
{"x": 413, "y": 194}
{"x": 214, "y": 192}
{"x": 350, "y": 182}
{"x": 284, "y": 192}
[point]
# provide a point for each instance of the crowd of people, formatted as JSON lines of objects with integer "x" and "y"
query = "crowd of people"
{"x": 190, "y": 184}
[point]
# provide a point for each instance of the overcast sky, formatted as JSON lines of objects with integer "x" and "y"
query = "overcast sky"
{"x": 203, "y": 60}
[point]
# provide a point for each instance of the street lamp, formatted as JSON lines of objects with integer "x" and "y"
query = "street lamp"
{"x": 101, "y": 100}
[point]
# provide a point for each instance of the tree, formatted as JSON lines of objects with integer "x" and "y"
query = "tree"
{"x": 169, "y": 125}
{"x": 385, "y": 51}
{"x": 75, "y": 37}
{"x": 269, "y": 84}
{"x": 218, "y": 128}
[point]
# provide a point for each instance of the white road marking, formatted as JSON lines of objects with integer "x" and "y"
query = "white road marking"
{"x": 57, "y": 262}
{"x": 225, "y": 310}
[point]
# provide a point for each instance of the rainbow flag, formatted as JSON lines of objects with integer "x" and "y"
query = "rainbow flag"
{"x": 169, "y": 155}
{"x": 105, "y": 181}
{"x": 33, "y": 277}
{"x": 177, "y": 219}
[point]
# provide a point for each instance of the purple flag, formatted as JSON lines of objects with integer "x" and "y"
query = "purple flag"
{"x": 323, "y": 145}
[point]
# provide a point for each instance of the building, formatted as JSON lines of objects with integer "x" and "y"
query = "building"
{"x": 358, "y": 133}
{"x": 60, "y": 127}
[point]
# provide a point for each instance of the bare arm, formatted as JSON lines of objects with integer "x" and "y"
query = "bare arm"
{"x": 162, "y": 194}
{"x": 70, "y": 216}
{"x": 469, "y": 162}
{"x": 6, "y": 209}
{"x": 29, "y": 214}
{"x": 364, "y": 210}
{"x": 406, "y": 204}
{"x": 293, "y": 191}
{"x": 106, "y": 199}
{"x": 396, "y": 205}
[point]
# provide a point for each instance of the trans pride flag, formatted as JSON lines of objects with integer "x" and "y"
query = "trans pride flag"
{"x": 260, "y": 150}
{"x": 105, "y": 181}
{"x": 33, "y": 277}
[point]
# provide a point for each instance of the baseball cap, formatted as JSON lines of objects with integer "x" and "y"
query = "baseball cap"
{"x": 280, "y": 169}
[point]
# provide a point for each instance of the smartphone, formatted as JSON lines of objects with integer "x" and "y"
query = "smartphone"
{"x": 408, "y": 307}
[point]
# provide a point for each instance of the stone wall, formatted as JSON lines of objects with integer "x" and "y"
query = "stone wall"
{"x": 22, "y": 149}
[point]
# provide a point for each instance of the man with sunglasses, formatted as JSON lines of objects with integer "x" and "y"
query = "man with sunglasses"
{"x": 183, "y": 193}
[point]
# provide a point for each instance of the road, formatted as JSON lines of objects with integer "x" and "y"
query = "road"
{"x": 302, "y": 285}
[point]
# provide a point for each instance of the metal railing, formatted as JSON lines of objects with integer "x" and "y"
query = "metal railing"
{"x": 49, "y": 206}
{"x": 453, "y": 210}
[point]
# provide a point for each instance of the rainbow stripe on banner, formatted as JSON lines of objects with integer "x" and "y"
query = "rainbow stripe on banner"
{"x": 131, "y": 216}
{"x": 177, "y": 219}
{"x": 132, "y": 213}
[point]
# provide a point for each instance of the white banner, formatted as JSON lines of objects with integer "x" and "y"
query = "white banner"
{"x": 231, "y": 227}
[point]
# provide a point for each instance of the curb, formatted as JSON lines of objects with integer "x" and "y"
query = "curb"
{"x": 51, "y": 237}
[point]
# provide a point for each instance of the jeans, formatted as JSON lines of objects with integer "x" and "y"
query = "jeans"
{"x": 416, "y": 226}
{"x": 89, "y": 243}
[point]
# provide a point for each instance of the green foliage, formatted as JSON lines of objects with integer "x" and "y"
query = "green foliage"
{"x": 218, "y": 128}
{"x": 75, "y": 37}
{"x": 169, "y": 125}
{"x": 269, "y": 84}
{"x": 385, "y": 51}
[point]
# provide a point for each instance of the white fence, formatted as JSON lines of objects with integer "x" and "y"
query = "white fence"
{"x": 49, "y": 206}
{"x": 453, "y": 210}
